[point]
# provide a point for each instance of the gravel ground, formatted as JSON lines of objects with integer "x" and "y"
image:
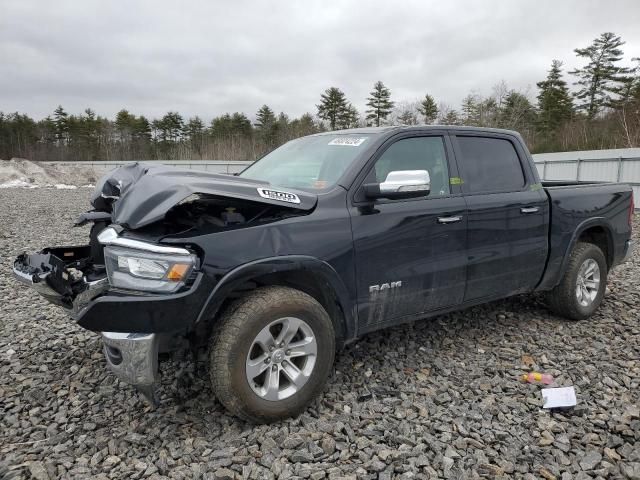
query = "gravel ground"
{"x": 440, "y": 398}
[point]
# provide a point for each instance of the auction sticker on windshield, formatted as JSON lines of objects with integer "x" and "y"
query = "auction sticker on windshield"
{"x": 348, "y": 141}
{"x": 278, "y": 195}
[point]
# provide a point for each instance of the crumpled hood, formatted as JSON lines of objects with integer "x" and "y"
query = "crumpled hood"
{"x": 138, "y": 194}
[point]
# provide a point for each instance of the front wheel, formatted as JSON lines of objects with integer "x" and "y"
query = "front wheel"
{"x": 272, "y": 353}
{"x": 580, "y": 292}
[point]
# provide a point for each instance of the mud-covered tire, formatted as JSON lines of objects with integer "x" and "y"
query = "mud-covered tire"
{"x": 235, "y": 337}
{"x": 563, "y": 299}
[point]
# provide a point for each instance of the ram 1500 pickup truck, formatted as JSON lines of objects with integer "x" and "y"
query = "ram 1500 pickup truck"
{"x": 324, "y": 239}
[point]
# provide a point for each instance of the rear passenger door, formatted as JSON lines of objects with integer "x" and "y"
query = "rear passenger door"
{"x": 506, "y": 231}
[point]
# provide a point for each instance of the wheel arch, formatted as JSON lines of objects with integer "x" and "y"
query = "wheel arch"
{"x": 307, "y": 274}
{"x": 597, "y": 231}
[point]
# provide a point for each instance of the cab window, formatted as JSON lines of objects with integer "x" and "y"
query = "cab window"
{"x": 416, "y": 153}
{"x": 490, "y": 165}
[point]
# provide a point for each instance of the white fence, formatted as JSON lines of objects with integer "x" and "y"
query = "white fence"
{"x": 620, "y": 165}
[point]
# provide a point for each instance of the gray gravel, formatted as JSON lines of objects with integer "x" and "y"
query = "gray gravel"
{"x": 435, "y": 399}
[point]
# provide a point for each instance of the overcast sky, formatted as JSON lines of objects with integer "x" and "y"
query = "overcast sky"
{"x": 206, "y": 58}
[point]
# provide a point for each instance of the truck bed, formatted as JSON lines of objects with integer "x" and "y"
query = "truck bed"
{"x": 600, "y": 209}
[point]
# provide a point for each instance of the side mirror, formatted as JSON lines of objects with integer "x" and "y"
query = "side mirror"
{"x": 401, "y": 184}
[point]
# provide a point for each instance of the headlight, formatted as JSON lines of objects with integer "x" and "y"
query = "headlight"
{"x": 147, "y": 271}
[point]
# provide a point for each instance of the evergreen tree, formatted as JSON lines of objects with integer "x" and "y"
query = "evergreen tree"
{"x": 517, "y": 113}
{"x": 428, "y": 109}
{"x": 281, "y": 128}
{"x": 602, "y": 76}
{"x": 125, "y": 125}
{"x": 628, "y": 89}
{"x": 142, "y": 129}
{"x": 333, "y": 107}
{"x": 265, "y": 118}
{"x": 634, "y": 93}
{"x": 448, "y": 115}
{"x": 302, "y": 126}
{"x": 61, "y": 121}
{"x": 194, "y": 131}
{"x": 451, "y": 118}
{"x": 170, "y": 127}
{"x": 407, "y": 117}
{"x": 87, "y": 134}
{"x": 489, "y": 111}
{"x": 194, "y": 128}
{"x": 47, "y": 131}
{"x": 349, "y": 118}
{"x": 174, "y": 126}
{"x": 471, "y": 110}
{"x": 241, "y": 125}
{"x": 17, "y": 134}
{"x": 554, "y": 101}
{"x": 221, "y": 126}
{"x": 379, "y": 103}
{"x": 266, "y": 127}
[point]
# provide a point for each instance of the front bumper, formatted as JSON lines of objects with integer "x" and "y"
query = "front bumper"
{"x": 53, "y": 274}
{"x": 119, "y": 311}
{"x": 133, "y": 357}
{"x": 94, "y": 305}
{"x": 125, "y": 319}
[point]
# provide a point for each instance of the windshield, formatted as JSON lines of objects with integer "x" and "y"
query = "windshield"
{"x": 315, "y": 162}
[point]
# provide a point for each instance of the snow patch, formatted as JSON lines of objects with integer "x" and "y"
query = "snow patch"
{"x": 17, "y": 183}
{"x": 21, "y": 173}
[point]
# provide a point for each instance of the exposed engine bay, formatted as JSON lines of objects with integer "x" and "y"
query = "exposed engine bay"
{"x": 209, "y": 213}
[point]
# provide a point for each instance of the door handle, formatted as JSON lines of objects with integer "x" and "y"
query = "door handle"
{"x": 526, "y": 210}
{"x": 452, "y": 219}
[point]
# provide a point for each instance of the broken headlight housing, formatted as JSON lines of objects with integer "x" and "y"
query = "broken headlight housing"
{"x": 135, "y": 265}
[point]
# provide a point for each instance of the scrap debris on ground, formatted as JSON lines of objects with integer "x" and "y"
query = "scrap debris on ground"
{"x": 436, "y": 399}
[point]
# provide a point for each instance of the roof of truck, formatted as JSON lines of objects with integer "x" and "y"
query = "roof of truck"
{"x": 379, "y": 130}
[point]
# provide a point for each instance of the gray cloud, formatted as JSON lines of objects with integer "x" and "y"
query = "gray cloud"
{"x": 207, "y": 58}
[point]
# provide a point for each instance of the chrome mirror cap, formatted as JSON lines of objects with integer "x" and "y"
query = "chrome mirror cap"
{"x": 406, "y": 181}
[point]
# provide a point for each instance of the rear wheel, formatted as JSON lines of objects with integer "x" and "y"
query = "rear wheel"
{"x": 272, "y": 353}
{"x": 582, "y": 287}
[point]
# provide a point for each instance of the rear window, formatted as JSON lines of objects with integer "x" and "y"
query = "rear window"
{"x": 490, "y": 165}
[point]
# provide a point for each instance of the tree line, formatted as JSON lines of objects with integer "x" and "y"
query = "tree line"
{"x": 601, "y": 111}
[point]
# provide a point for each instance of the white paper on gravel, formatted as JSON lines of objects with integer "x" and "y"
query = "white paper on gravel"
{"x": 559, "y": 397}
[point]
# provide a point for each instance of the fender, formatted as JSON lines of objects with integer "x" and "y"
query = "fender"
{"x": 556, "y": 267}
{"x": 287, "y": 263}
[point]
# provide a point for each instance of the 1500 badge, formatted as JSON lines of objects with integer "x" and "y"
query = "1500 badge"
{"x": 278, "y": 195}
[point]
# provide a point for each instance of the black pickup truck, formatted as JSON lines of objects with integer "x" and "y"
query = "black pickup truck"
{"x": 324, "y": 239}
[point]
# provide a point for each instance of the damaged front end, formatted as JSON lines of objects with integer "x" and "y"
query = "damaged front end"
{"x": 70, "y": 278}
{"x": 137, "y": 282}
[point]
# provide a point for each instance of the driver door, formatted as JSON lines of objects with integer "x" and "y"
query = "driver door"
{"x": 411, "y": 253}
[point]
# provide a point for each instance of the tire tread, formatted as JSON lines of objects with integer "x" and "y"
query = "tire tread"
{"x": 561, "y": 299}
{"x": 229, "y": 328}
